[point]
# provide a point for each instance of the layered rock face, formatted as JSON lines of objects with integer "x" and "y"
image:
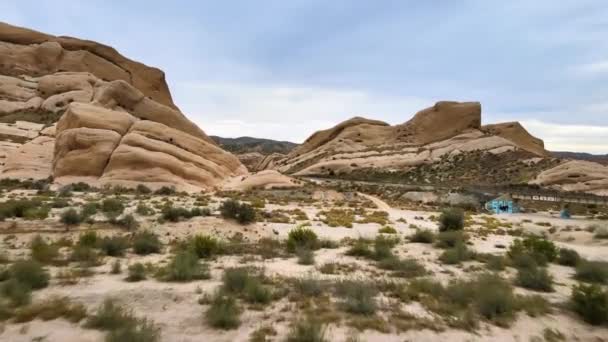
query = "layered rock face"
{"x": 576, "y": 175}
{"x": 79, "y": 111}
{"x": 446, "y": 129}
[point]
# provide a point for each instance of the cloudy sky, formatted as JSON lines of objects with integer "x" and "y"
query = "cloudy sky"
{"x": 283, "y": 69}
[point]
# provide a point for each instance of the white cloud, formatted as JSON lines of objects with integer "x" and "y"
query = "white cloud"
{"x": 284, "y": 112}
{"x": 598, "y": 67}
{"x": 577, "y": 138}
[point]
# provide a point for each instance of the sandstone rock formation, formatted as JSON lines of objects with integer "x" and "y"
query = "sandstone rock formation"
{"x": 115, "y": 121}
{"x": 576, "y": 175}
{"x": 267, "y": 179}
{"x": 446, "y": 129}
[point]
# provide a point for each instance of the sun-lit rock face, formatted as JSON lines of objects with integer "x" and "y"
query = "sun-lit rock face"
{"x": 576, "y": 175}
{"x": 445, "y": 129}
{"x": 79, "y": 111}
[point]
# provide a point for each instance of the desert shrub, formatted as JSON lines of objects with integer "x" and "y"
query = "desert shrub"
{"x": 113, "y": 206}
{"x": 449, "y": 239}
{"x": 308, "y": 286}
{"x": 534, "y": 305}
{"x": 383, "y": 247}
{"x": 17, "y": 293}
{"x": 128, "y": 222}
{"x": 568, "y": 257}
{"x": 305, "y": 256}
{"x": 256, "y": 293}
{"x": 422, "y": 236}
{"x": 109, "y": 316}
{"x": 165, "y": 191}
{"x": 24, "y": 208}
{"x": 88, "y": 210}
{"x": 51, "y": 309}
{"x": 42, "y": 251}
{"x": 494, "y": 299}
{"x": 592, "y": 271}
{"x": 540, "y": 249}
{"x": 525, "y": 260}
{"x": 204, "y": 246}
{"x": 591, "y": 303}
{"x": 456, "y": 254}
{"x": 451, "y": 219}
{"x": 268, "y": 248}
{"x": 114, "y": 246}
{"x": 301, "y": 237}
{"x": 136, "y": 272}
{"x": 29, "y": 273}
{"x": 70, "y": 217}
{"x": 175, "y": 214}
{"x": 142, "y": 189}
{"x": 406, "y": 268}
{"x": 235, "y": 279}
{"x": 143, "y": 331}
{"x": 59, "y": 203}
{"x": 496, "y": 262}
{"x": 146, "y": 242}
{"x": 116, "y": 267}
{"x": 387, "y": 230}
{"x": 184, "y": 266}
{"x": 357, "y": 297}
{"x": 241, "y": 212}
{"x": 360, "y": 248}
{"x": 144, "y": 210}
{"x": 85, "y": 255}
{"x": 223, "y": 313}
{"x": 307, "y": 330}
{"x": 88, "y": 239}
{"x": 601, "y": 233}
{"x": 535, "y": 278}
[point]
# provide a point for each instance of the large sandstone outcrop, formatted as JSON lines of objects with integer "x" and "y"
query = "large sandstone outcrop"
{"x": 79, "y": 111}
{"x": 445, "y": 129}
{"x": 576, "y": 175}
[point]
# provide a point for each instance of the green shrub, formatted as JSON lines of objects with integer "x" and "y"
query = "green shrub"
{"x": 19, "y": 294}
{"x": 526, "y": 260}
{"x": 51, "y": 309}
{"x": 456, "y": 255}
{"x": 184, "y": 266}
{"x": 308, "y": 286}
{"x": 357, "y": 297}
{"x": 25, "y": 208}
{"x": 165, "y": 191}
{"x": 307, "y": 330}
{"x": 540, "y": 249}
{"x": 112, "y": 206}
{"x": 305, "y": 256}
{"x": 496, "y": 263}
{"x": 449, "y": 239}
{"x": 235, "y": 279}
{"x": 70, "y": 217}
{"x": 143, "y": 331}
{"x": 88, "y": 239}
{"x": 241, "y": 212}
{"x": 42, "y": 251}
{"x": 29, "y": 273}
{"x": 88, "y": 210}
{"x": 494, "y": 299}
{"x": 59, "y": 203}
{"x": 535, "y": 278}
{"x": 173, "y": 214}
{"x": 223, "y": 313}
{"x": 301, "y": 237}
{"x": 121, "y": 325}
{"x": 451, "y": 219}
{"x": 142, "y": 189}
{"x": 137, "y": 272}
{"x": 116, "y": 267}
{"x": 591, "y": 302}
{"x": 383, "y": 247}
{"x": 387, "y": 230}
{"x": 85, "y": 255}
{"x": 422, "y": 236}
{"x": 568, "y": 257}
{"x": 360, "y": 249}
{"x": 204, "y": 246}
{"x": 114, "y": 246}
{"x": 592, "y": 271}
{"x": 144, "y": 210}
{"x": 128, "y": 222}
{"x": 146, "y": 242}
{"x": 406, "y": 268}
{"x": 256, "y": 293}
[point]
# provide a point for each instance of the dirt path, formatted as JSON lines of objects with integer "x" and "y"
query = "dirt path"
{"x": 378, "y": 202}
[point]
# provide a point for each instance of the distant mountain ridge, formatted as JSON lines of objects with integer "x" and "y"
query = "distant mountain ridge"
{"x": 250, "y": 144}
{"x": 598, "y": 158}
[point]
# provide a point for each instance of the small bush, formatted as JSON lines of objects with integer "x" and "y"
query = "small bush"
{"x": 88, "y": 239}
{"x": 165, "y": 191}
{"x": 146, "y": 242}
{"x": 307, "y": 330}
{"x": 494, "y": 299}
{"x": 406, "y": 268}
{"x": 42, "y": 251}
{"x": 256, "y": 293}
{"x": 70, "y": 217}
{"x": 496, "y": 263}
{"x": 19, "y": 294}
{"x": 204, "y": 246}
{"x": 143, "y": 331}
{"x": 592, "y": 271}
{"x": 51, "y": 309}
{"x": 184, "y": 266}
{"x": 308, "y": 286}
{"x": 591, "y": 302}
{"x": 301, "y": 237}
{"x": 235, "y": 279}
{"x": 241, "y": 212}
{"x": 540, "y": 249}
{"x": 26, "y": 209}
{"x": 451, "y": 219}
{"x": 128, "y": 222}
{"x": 387, "y": 230}
{"x": 144, "y": 210}
{"x": 358, "y": 297}
{"x": 456, "y": 255}
{"x": 422, "y": 236}
{"x": 112, "y": 206}
{"x": 88, "y": 210}
{"x": 568, "y": 257}
{"x": 535, "y": 278}
{"x": 223, "y": 312}
{"x": 449, "y": 239}
{"x": 29, "y": 273}
{"x": 305, "y": 256}
{"x": 114, "y": 246}
{"x": 137, "y": 272}
{"x": 360, "y": 249}
{"x": 87, "y": 256}
{"x": 109, "y": 316}
{"x": 142, "y": 189}
{"x": 116, "y": 267}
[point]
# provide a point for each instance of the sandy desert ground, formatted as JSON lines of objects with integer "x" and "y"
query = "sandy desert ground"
{"x": 297, "y": 290}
